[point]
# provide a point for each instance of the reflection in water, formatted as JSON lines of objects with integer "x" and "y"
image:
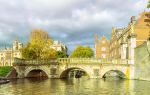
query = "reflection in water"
{"x": 83, "y": 86}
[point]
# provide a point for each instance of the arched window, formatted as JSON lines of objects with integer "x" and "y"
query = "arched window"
{"x": 103, "y": 55}
{"x": 103, "y": 48}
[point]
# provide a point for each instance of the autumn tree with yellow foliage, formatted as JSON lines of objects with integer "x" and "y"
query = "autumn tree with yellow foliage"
{"x": 38, "y": 47}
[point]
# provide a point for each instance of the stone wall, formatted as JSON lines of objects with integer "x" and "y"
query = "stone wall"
{"x": 142, "y": 61}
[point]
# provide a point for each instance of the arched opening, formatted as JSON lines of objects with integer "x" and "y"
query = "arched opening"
{"x": 114, "y": 74}
{"x": 13, "y": 73}
{"x": 74, "y": 73}
{"x": 37, "y": 74}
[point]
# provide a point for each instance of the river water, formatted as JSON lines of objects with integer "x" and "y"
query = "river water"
{"x": 83, "y": 86}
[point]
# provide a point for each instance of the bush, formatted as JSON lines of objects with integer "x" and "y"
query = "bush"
{"x": 5, "y": 70}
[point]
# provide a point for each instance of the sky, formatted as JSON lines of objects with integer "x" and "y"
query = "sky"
{"x": 74, "y": 22}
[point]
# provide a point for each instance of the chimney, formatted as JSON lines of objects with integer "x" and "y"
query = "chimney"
{"x": 133, "y": 19}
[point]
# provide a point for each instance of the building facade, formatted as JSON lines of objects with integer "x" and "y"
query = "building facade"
{"x": 59, "y": 46}
{"x": 8, "y": 54}
{"x": 101, "y": 47}
{"x": 123, "y": 41}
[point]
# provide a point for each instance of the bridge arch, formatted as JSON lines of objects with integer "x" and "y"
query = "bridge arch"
{"x": 64, "y": 73}
{"x": 36, "y": 73}
{"x": 119, "y": 73}
{"x": 38, "y": 70}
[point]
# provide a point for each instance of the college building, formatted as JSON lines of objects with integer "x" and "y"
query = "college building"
{"x": 8, "y": 54}
{"x": 123, "y": 41}
{"x": 101, "y": 47}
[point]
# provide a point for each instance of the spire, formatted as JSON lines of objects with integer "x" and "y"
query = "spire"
{"x": 96, "y": 38}
{"x": 132, "y": 29}
{"x": 17, "y": 38}
{"x": 5, "y": 45}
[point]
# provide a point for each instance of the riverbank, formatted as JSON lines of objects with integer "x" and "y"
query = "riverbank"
{"x": 3, "y": 73}
{"x": 5, "y": 70}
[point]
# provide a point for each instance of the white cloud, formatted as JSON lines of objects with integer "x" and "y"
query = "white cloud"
{"x": 72, "y": 21}
{"x": 141, "y": 4}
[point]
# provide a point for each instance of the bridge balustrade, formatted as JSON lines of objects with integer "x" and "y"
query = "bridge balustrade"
{"x": 73, "y": 60}
{"x": 46, "y": 61}
{"x": 92, "y": 60}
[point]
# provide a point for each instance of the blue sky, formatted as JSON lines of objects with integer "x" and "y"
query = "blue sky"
{"x": 74, "y": 22}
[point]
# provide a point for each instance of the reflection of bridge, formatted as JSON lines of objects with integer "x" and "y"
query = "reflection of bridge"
{"x": 59, "y": 68}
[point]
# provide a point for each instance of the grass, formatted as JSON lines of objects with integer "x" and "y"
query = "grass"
{"x": 5, "y": 70}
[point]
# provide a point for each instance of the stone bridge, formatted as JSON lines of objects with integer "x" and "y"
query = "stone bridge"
{"x": 59, "y": 68}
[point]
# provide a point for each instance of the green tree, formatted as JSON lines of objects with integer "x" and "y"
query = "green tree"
{"x": 82, "y": 52}
{"x": 148, "y": 4}
{"x": 61, "y": 54}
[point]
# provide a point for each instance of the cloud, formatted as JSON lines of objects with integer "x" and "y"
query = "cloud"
{"x": 71, "y": 21}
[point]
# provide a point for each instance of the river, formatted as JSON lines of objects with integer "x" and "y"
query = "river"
{"x": 83, "y": 86}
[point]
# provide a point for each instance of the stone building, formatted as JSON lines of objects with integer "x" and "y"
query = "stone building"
{"x": 115, "y": 43}
{"x": 142, "y": 60}
{"x": 59, "y": 46}
{"x": 124, "y": 40}
{"x": 101, "y": 47}
{"x": 8, "y": 54}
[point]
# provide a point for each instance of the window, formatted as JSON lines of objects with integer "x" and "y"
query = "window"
{"x": 103, "y": 49}
{"x": 103, "y": 55}
{"x": 103, "y": 42}
{"x": 147, "y": 15}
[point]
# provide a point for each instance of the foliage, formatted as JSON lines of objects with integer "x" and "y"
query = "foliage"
{"x": 38, "y": 34}
{"x": 38, "y": 49}
{"x": 5, "y": 70}
{"x": 28, "y": 52}
{"x": 61, "y": 54}
{"x": 148, "y": 4}
{"x": 82, "y": 52}
{"x": 38, "y": 46}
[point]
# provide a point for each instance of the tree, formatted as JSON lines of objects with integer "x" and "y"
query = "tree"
{"x": 148, "y": 5}
{"x": 82, "y": 52}
{"x": 38, "y": 49}
{"x": 61, "y": 54}
{"x": 28, "y": 52}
